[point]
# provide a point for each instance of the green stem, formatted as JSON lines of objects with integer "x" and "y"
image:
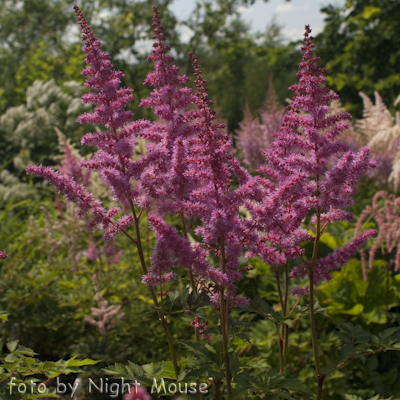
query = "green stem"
{"x": 286, "y": 327}
{"x": 387, "y": 287}
{"x": 312, "y": 312}
{"x": 217, "y": 390}
{"x": 280, "y": 335}
{"x": 184, "y": 232}
{"x": 224, "y": 322}
{"x": 161, "y": 315}
{"x": 191, "y": 276}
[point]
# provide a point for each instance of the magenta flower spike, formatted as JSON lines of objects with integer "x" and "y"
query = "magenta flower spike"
{"x": 113, "y": 160}
{"x": 302, "y": 180}
{"x": 163, "y": 177}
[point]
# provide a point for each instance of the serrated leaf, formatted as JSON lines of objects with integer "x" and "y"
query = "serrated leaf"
{"x": 159, "y": 369}
{"x": 136, "y": 369}
{"x": 149, "y": 370}
{"x": 234, "y": 363}
{"x": 12, "y": 358}
{"x": 199, "y": 349}
{"x": 181, "y": 376}
{"x": 344, "y": 337}
{"x": 289, "y": 322}
{"x": 29, "y": 362}
{"x": 347, "y": 351}
{"x": 173, "y": 296}
{"x": 118, "y": 370}
{"x": 11, "y": 346}
{"x": 169, "y": 370}
{"x": 296, "y": 385}
{"x": 79, "y": 363}
{"x": 387, "y": 333}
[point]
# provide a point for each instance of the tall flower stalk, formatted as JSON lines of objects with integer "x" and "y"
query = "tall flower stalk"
{"x": 303, "y": 181}
{"x": 113, "y": 160}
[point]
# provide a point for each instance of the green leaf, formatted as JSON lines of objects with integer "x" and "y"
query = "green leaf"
{"x": 3, "y": 316}
{"x": 347, "y": 351}
{"x": 136, "y": 370}
{"x": 289, "y": 322}
{"x": 117, "y": 369}
{"x": 79, "y": 363}
{"x": 173, "y": 296}
{"x": 149, "y": 370}
{"x": 199, "y": 350}
{"x": 11, "y": 346}
{"x": 29, "y": 362}
{"x": 296, "y": 385}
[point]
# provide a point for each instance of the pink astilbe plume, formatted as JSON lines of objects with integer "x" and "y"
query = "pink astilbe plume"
{"x": 303, "y": 180}
{"x": 250, "y": 140}
{"x": 69, "y": 161}
{"x": 163, "y": 177}
{"x": 209, "y": 164}
{"x": 214, "y": 202}
{"x": 106, "y": 316}
{"x": 385, "y": 211}
{"x": 113, "y": 159}
{"x": 253, "y": 137}
{"x": 189, "y": 156}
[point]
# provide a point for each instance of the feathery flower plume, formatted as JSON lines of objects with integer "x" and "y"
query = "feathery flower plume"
{"x": 69, "y": 161}
{"x": 384, "y": 210}
{"x": 253, "y": 136}
{"x": 113, "y": 159}
{"x": 163, "y": 176}
{"x": 303, "y": 180}
{"x": 106, "y": 315}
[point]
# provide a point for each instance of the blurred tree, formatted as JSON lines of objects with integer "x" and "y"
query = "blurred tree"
{"x": 39, "y": 39}
{"x": 236, "y": 63}
{"x": 360, "y": 45}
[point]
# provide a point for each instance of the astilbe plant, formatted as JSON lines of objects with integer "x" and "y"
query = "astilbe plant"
{"x": 188, "y": 170}
{"x": 301, "y": 183}
{"x": 113, "y": 160}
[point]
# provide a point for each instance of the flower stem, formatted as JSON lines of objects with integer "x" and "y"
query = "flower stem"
{"x": 161, "y": 315}
{"x": 312, "y": 311}
{"x": 224, "y": 322}
{"x": 191, "y": 276}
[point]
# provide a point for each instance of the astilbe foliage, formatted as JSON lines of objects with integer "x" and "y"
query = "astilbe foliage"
{"x": 301, "y": 180}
